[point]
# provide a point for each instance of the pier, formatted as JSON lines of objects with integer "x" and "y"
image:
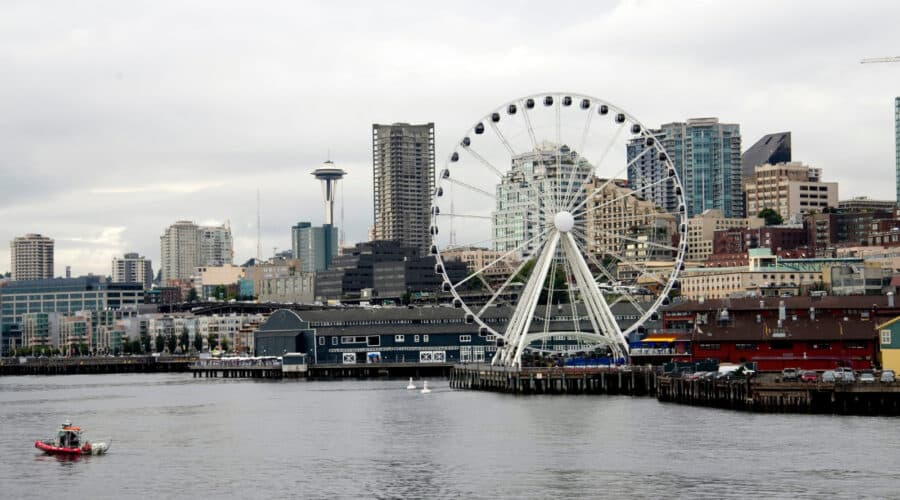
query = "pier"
{"x": 272, "y": 369}
{"x": 768, "y": 393}
{"x": 85, "y": 365}
{"x": 629, "y": 380}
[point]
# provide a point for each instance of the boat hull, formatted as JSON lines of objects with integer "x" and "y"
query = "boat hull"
{"x": 58, "y": 450}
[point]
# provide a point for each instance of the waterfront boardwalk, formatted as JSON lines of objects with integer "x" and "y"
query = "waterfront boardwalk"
{"x": 629, "y": 380}
{"x": 768, "y": 393}
{"x": 81, "y": 365}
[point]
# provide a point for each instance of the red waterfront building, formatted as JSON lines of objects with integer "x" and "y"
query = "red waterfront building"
{"x": 814, "y": 333}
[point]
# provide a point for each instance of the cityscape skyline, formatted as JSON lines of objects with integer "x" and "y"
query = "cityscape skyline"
{"x": 102, "y": 152}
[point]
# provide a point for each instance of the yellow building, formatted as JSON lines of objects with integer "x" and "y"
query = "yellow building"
{"x": 889, "y": 343}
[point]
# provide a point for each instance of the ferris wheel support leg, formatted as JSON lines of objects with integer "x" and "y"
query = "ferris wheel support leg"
{"x": 601, "y": 316}
{"x": 517, "y": 329}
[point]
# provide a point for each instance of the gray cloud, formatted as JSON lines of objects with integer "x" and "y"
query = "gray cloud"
{"x": 118, "y": 118}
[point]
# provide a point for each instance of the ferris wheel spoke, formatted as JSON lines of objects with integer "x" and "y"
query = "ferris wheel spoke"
{"x": 502, "y": 257}
{"x": 470, "y": 187}
{"x": 558, "y": 153}
{"x": 609, "y": 181}
{"x": 606, "y": 150}
{"x": 570, "y": 191}
{"x": 573, "y": 306}
{"x": 548, "y": 310}
{"x": 499, "y": 174}
{"x": 464, "y": 216}
{"x": 609, "y": 276}
{"x": 502, "y": 287}
{"x": 528, "y": 124}
{"x": 620, "y": 259}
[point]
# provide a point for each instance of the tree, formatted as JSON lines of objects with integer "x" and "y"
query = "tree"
{"x": 160, "y": 343}
{"x": 198, "y": 342}
{"x": 145, "y": 344}
{"x": 171, "y": 343}
{"x": 212, "y": 340}
{"x": 224, "y": 345}
{"x": 220, "y": 292}
{"x": 772, "y": 217}
{"x": 184, "y": 340}
{"x": 192, "y": 296}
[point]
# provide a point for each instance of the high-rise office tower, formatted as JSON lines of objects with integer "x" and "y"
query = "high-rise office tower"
{"x": 132, "y": 268}
{"x": 403, "y": 181}
{"x": 31, "y": 257}
{"x": 314, "y": 246}
{"x": 771, "y": 149}
{"x": 707, "y": 156}
{"x": 185, "y": 246}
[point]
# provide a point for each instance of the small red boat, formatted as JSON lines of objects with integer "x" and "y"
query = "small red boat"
{"x": 68, "y": 442}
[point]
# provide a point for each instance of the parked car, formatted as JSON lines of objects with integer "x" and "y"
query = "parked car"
{"x": 789, "y": 374}
{"x": 844, "y": 374}
{"x": 867, "y": 377}
{"x": 829, "y": 376}
{"x": 887, "y": 377}
{"x": 809, "y": 376}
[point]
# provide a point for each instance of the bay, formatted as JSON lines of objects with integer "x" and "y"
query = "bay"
{"x": 174, "y": 436}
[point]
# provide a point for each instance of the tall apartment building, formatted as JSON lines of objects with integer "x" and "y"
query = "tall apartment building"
{"x": 403, "y": 182}
{"x": 185, "y": 246}
{"x": 518, "y": 216}
{"x": 897, "y": 144}
{"x": 702, "y": 230}
{"x": 648, "y": 175}
{"x": 31, "y": 257}
{"x": 132, "y": 268}
{"x": 216, "y": 245}
{"x": 707, "y": 156}
{"x": 314, "y": 246}
{"x": 791, "y": 189}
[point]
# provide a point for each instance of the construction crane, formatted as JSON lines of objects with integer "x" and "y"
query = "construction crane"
{"x": 880, "y": 60}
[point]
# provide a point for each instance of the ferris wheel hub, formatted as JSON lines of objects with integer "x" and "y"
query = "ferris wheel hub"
{"x": 564, "y": 221}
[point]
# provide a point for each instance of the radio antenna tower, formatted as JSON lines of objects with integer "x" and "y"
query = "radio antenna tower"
{"x": 341, "y": 236}
{"x": 258, "y": 230}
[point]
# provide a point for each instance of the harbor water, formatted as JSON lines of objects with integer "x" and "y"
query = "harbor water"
{"x": 174, "y": 436}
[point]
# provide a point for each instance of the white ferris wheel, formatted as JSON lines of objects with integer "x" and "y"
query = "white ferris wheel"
{"x": 563, "y": 206}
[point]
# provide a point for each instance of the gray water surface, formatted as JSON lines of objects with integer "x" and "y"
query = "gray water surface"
{"x": 178, "y": 437}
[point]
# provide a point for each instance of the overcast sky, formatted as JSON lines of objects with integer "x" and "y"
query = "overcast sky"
{"x": 119, "y": 118}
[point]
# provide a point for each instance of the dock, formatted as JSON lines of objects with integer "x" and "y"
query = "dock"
{"x": 270, "y": 369}
{"x": 92, "y": 365}
{"x": 768, "y": 393}
{"x": 628, "y": 380}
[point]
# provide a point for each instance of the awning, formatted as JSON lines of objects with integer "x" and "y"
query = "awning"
{"x": 659, "y": 339}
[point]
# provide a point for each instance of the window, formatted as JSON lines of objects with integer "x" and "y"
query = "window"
{"x": 399, "y": 338}
{"x": 424, "y": 338}
{"x": 416, "y": 339}
{"x": 321, "y": 340}
{"x": 709, "y": 347}
{"x": 465, "y": 338}
{"x": 745, "y": 347}
{"x": 334, "y": 341}
{"x": 885, "y": 337}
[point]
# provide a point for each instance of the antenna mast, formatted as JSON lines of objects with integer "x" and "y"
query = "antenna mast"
{"x": 258, "y": 230}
